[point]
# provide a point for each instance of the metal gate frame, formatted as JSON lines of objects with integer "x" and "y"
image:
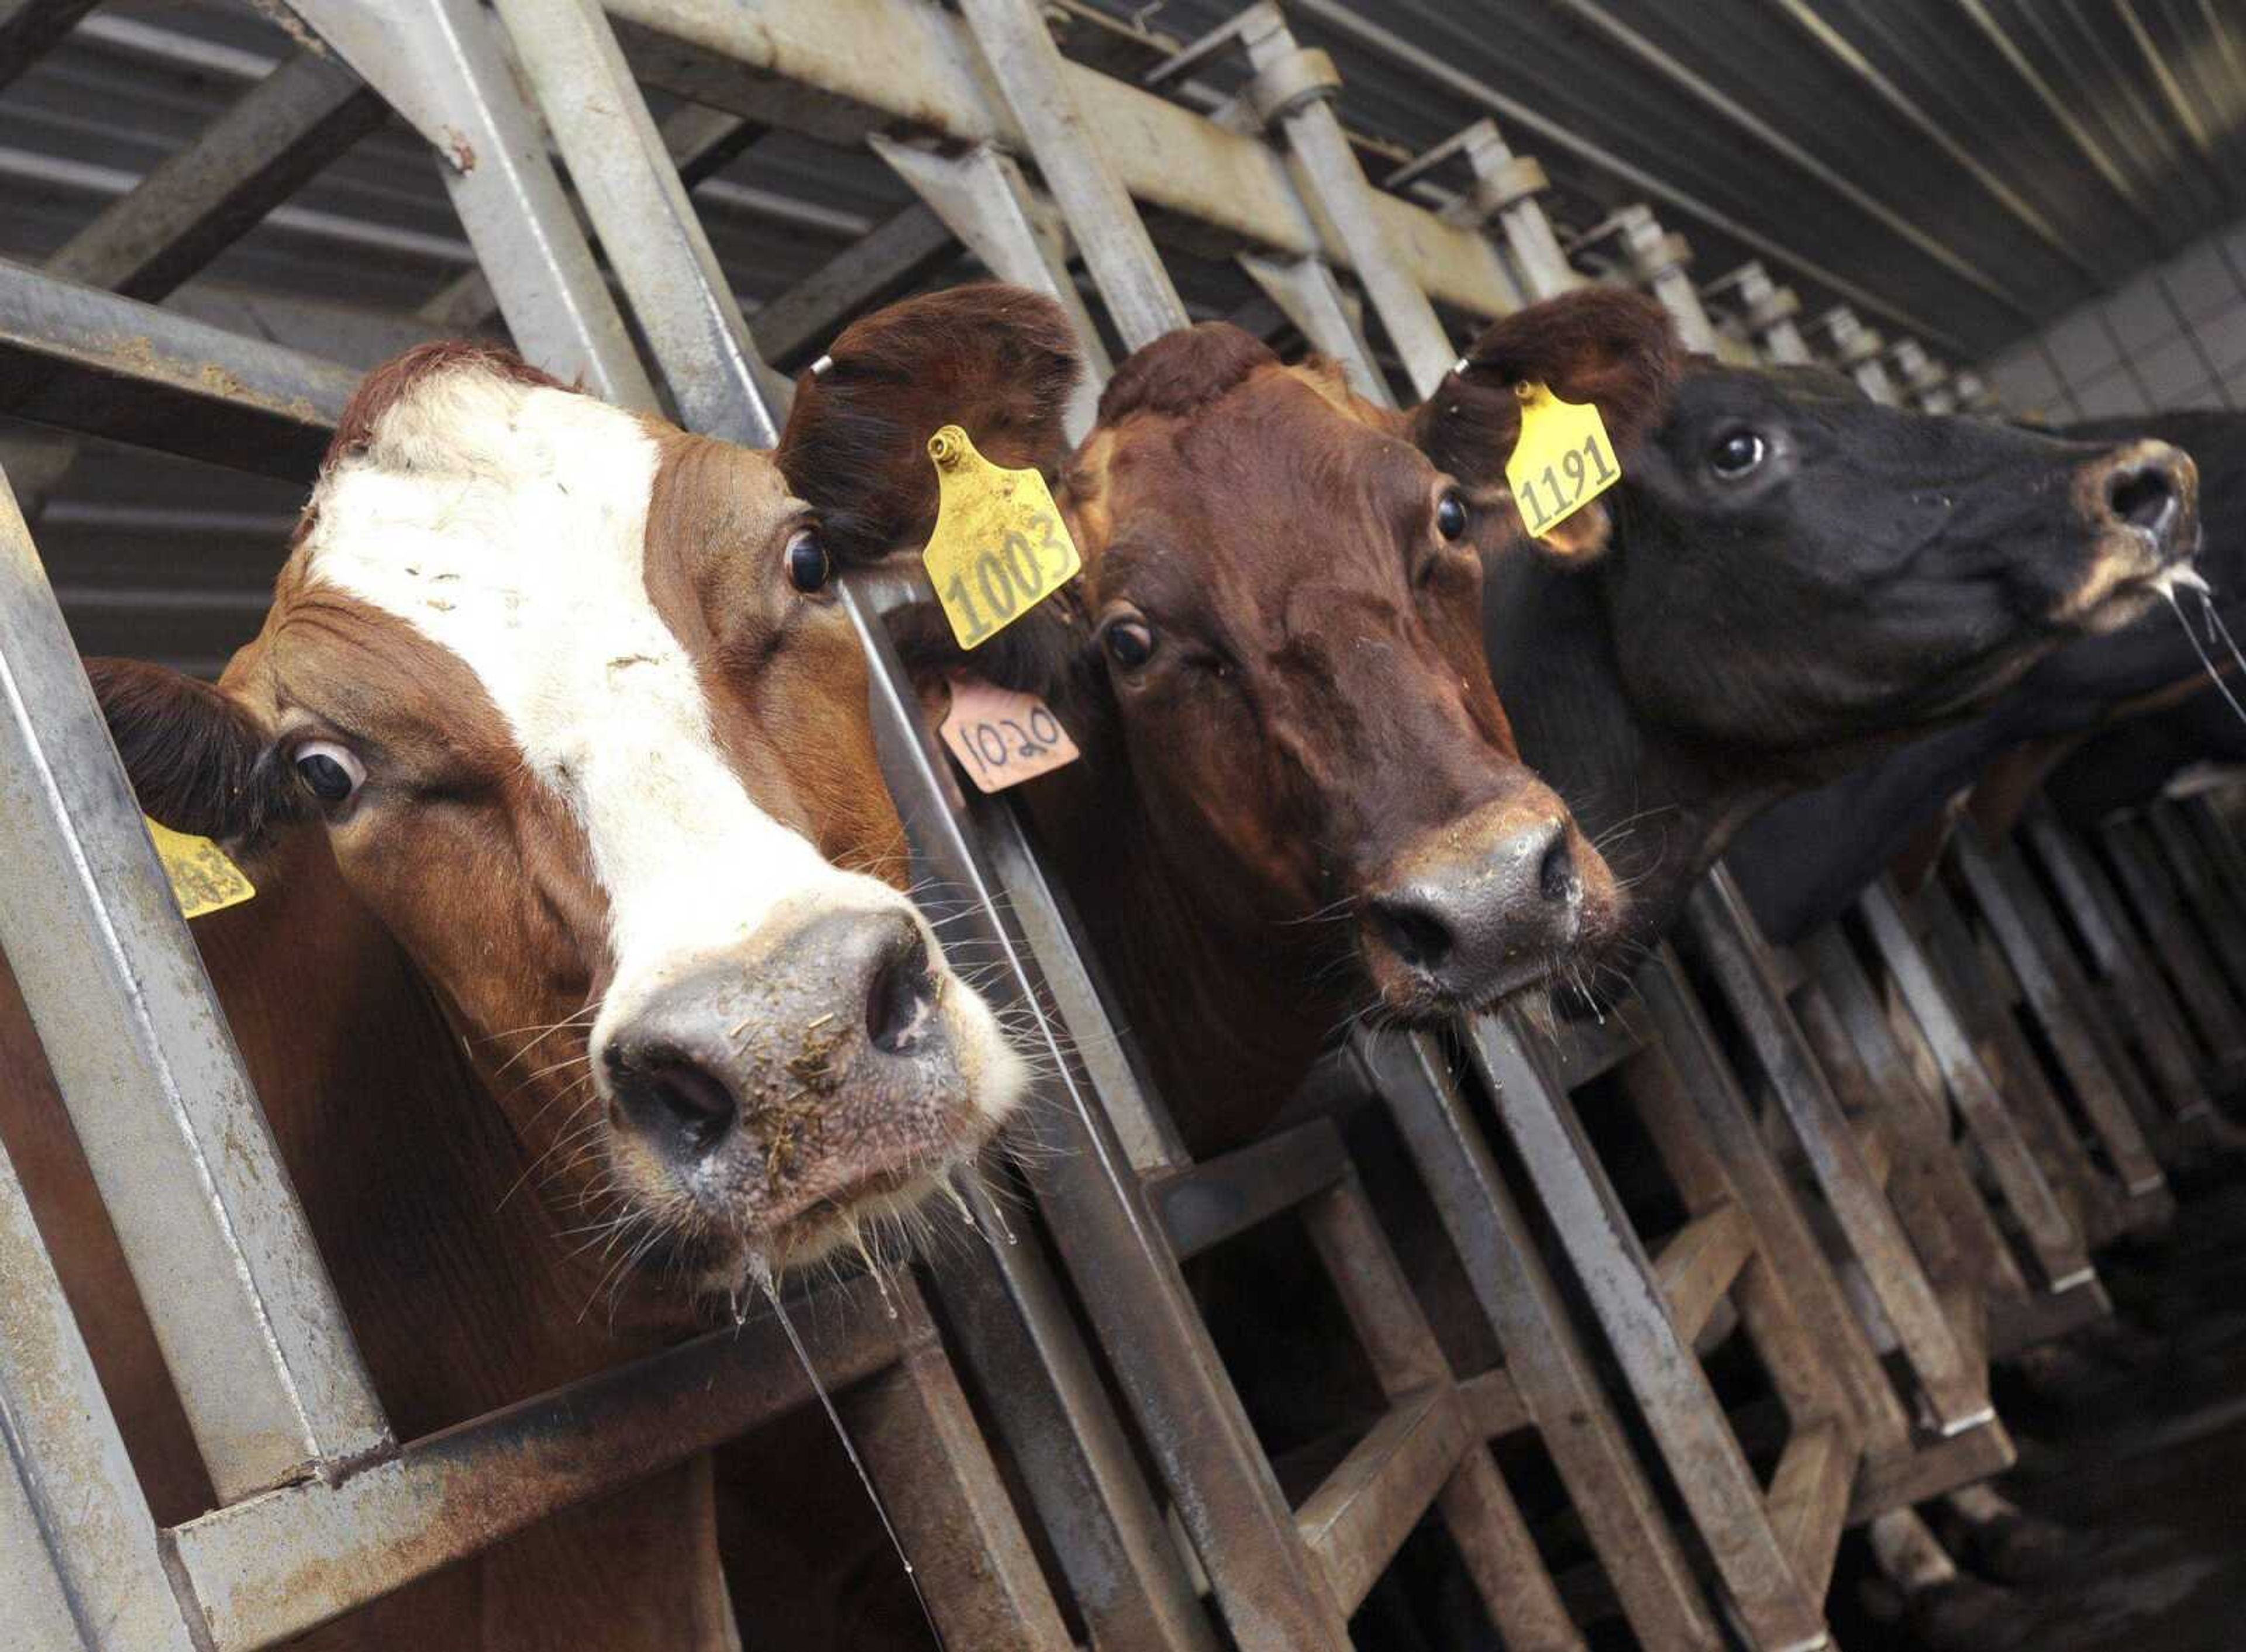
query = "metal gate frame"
{"x": 283, "y": 1414}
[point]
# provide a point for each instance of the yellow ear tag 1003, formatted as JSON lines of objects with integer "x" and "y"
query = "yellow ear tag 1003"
{"x": 1562, "y": 460}
{"x": 999, "y": 548}
{"x": 203, "y": 879}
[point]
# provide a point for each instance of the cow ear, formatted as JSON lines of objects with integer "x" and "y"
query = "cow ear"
{"x": 199, "y": 761}
{"x": 1614, "y": 349}
{"x": 997, "y": 361}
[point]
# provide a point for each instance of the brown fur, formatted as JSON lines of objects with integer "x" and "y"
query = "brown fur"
{"x": 390, "y": 989}
{"x": 1322, "y": 708}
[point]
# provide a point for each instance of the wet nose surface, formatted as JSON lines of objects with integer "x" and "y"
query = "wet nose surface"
{"x": 843, "y": 988}
{"x": 2151, "y": 488}
{"x": 1471, "y": 916}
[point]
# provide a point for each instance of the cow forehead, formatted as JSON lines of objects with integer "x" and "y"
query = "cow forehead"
{"x": 508, "y": 524}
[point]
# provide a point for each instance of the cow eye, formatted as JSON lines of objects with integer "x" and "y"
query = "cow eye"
{"x": 1451, "y": 515}
{"x": 1129, "y": 644}
{"x": 330, "y": 771}
{"x": 809, "y": 568}
{"x": 1735, "y": 453}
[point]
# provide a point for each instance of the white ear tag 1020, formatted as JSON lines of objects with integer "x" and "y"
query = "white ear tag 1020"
{"x": 1562, "y": 460}
{"x": 203, "y": 879}
{"x": 1003, "y": 737}
{"x": 1000, "y": 547}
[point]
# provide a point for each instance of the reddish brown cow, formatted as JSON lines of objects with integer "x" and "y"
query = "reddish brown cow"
{"x": 569, "y": 1023}
{"x": 1300, "y": 798}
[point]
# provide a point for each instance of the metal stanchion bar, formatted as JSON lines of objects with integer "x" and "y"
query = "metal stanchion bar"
{"x": 1033, "y": 81}
{"x": 1955, "y": 1391}
{"x": 250, "y": 1329}
{"x": 879, "y": 61}
{"x": 98, "y": 364}
{"x": 278, "y": 1564}
{"x": 30, "y": 29}
{"x": 647, "y": 227}
{"x": 2061, "y": 1003}
{"x": 276, "y": 137}
{"x": 439, "y": 64}
{"x": 2210, "y": 901}
{"x": 1560, "y": 1388}
{"x": 80, "y": 1565}
{"x": 2145, "y": 1006}
{"x": 1506, "y": 187}
{"x": 891, "y": 256}
{"x": 2189, "y": 965}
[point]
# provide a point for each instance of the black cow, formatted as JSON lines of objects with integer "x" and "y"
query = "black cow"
{"x": 1803, "y": 862}
{"x": 1787, "y": 576}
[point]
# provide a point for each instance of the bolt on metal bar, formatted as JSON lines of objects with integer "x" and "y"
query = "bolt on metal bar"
{"x": 1506, "y": 185}
{"x": 1027, "y": 66}
{"x": 1293, "y": 89}
{"x": 1354, "y": 26}
{"x": 250, "y": 1326}
{"x": 439, "y": 64}
{"x": 80, "y": 1560}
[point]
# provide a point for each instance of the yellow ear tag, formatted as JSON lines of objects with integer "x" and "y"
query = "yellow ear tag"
{"x": 203, "y": 879}
{"x": 999, "y": 548}
{"x": 1562, "y": 460}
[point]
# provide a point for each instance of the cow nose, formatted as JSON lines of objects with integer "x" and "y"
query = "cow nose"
{"x": 1491, "y": 908}
{"x": 839, "y": 988}
{"x": 2149, "y": 487}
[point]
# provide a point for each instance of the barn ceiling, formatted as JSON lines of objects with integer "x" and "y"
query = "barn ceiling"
{"x": 1958, "y": 170}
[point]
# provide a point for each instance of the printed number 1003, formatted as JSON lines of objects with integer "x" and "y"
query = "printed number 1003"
{"x": 1008, "y": 579}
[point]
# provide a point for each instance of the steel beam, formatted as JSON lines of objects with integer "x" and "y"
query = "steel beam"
{"x": 639, "y": 208}
{"x": 891, "y": 256}
{"x": 102, "y": 365}
{"x": 272, "y": 140}
{"x": 441, "y": 65}
{"x": 873, "y": 62}
{"x": 30, "y": 29}
{"x": 1033, "y": 82}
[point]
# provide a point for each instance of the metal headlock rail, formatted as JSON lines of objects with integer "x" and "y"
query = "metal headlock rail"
{"x": 322, "y": 1509}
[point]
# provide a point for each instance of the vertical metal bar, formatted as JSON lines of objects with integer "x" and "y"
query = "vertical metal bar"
{"x": 1032, "y": 78}
{"x": 79, "y": 1560}
{"x": 1543, "y": 1353}
{"x": 439, "y": 64}
{"x": 647, "y": 225}
{"x": 248, "y": 1322}
{"x": 1306, "y": 292}
{"x": 1509, "y": 184}
{"x": 1688, "y": 1424}
{"x": 1955, "y": 1391}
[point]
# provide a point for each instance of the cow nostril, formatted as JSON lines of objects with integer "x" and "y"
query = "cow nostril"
{"x": 679, "y": 1098}
{"x": 900, "y": 996}
{"x": 1412, "y": 932}
{"x": 2143, "y": 496}
{"x": 1555, "y": 872}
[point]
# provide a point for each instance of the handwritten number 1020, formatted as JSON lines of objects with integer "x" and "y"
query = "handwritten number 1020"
{"x": 1542, "y": 506}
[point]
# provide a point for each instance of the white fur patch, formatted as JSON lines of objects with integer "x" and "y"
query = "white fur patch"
{"x": 508, "y": 524}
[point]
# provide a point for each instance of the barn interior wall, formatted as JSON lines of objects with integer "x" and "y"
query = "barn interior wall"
{"x": 2175, "y": 337}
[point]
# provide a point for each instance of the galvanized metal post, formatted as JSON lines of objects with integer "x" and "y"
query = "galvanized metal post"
{"x": 439, "y": 64}
{"x": 1768, "y": 311}
{"x": 1506, "y": 187}
{"x": 250, "y": 1328}
{"x": 1857, "y": 349}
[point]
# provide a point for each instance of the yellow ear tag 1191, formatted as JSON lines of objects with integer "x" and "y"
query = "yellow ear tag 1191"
{"x": 999, "y": 548}
{"x": 203, "y": 879}
{"x": 1562, "y": 460}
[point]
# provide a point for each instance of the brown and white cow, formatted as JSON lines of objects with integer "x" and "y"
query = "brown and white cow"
{"x": 579, "y": 988}
{"x": 1300, "y": 799}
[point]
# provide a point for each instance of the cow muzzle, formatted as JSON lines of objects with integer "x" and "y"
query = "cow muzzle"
{"x": 1483, "y": 908}
{"x": 2141, "y": 502}
{"x": 772, "y": 1098}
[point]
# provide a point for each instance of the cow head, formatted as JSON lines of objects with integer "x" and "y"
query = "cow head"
{"x": 566, "y": 692}
{"x": 1787, "y": 565}
{"x": 1277, "y": 630}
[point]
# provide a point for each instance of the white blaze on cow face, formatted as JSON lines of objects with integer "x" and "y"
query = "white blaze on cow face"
{"x": 508, "y": 524}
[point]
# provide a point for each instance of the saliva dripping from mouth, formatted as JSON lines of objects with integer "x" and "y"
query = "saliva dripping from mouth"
{"x": 760, "y": 1273}
{"x": 2216, "y": 630}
